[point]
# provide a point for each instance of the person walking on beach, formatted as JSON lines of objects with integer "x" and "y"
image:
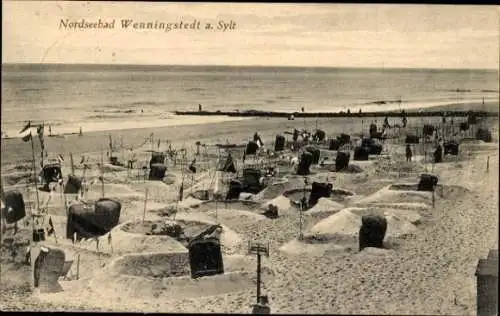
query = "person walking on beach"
{"x": 408, "y": 153}
{"x": 386, "y": 123}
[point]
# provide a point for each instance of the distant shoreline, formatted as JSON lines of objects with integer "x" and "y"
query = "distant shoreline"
{"x": 152, "y": 67}
{"x": 458, "y": 110}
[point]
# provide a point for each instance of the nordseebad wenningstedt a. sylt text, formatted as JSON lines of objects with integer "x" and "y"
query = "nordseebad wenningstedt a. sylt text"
{"x": 130, "y": 24}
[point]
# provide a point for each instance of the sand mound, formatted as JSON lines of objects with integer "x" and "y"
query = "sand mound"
{"x": 324, "y": 206}
{"x": 402, "y": 206}
{"x": 351, "y": 168}
{"x": 283, "y": 204}
{"x": 275, "y": 188}
{"x": 175, "y": 288}
{"x": 239, "y": 275}
{"x": 230, "y": 215}
{"x": 16, "y": 178}
{"x": 153, "y": 209}
{"x": 297, "y": 247}
{"x": 154, "y": 265}
{"x": 112, "y": 190}
{"x": 124, "y": 242}
{"x": 230, "y": 240}
{"x": 206, "y": 206}
{"x": 387, "y": 196}
{"x": 407, "y": 215}
{"x": 398, "y": 227}
{"x": 370, "y": 252}
{"x": 451, "y": 191}
{"x": 113, "y": 168}
{"x": 297, "y": 193}
{"x": 343, "y": 227}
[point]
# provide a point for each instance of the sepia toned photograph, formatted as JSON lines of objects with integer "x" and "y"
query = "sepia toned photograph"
{"x": 249, "y": 158}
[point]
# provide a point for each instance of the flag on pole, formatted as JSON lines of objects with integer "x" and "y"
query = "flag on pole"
{"x": 39, "y": 130}
{"x": 181, "y": 191}
{"x": 26, "y": 127}
{"x": 51, "y": 230}
{"x": 110, "y": 143}
{"x": 192, "y": 166}
{"x": 27, "y": 138}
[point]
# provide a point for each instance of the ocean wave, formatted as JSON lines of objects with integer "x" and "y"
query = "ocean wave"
{"x": 143, "y": 103}
{"x": 115, "y": 111}
{"x": 380, "y": 102}
{"x": 469, "y": 90}
{"x": 280, "y": 97}
{"x": 33, "y": 89}
{"x": 97, "y": 117}
{"x": 194, "y": 89}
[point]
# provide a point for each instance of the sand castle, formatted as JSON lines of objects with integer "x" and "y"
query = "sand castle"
{"x": 174, "y": 227}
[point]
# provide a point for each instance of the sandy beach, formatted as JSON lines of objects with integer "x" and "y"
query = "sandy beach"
{"x": 427, "y": 266}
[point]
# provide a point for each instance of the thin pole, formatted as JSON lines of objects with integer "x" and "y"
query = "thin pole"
{"x": 433, "y": 197}
{"x": 34, "y": 171}
{"x": 258, "y": 277}
{"x": 488, "y": 164}
{"x": 78, "y": 267}
{"x": 55, "y": 235}
{"x": 72, "y": 164}
{"x": 300, "y": 220}
{"x": 62, "y": 192}
{"x": 102, "y": 173}
{"x": 145, "y": 205}
{"x": 42, "y": 145}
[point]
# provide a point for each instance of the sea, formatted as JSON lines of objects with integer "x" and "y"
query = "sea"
{"x": 113, "y": 97}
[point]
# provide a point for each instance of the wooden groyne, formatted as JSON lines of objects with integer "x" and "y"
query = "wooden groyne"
{"x": 428, "y": 113}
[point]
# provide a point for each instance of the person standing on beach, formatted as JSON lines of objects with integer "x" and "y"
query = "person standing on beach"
{"x": 409, "y": 153}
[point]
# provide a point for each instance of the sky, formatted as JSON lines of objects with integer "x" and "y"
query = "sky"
{"x": 316, "y": 35}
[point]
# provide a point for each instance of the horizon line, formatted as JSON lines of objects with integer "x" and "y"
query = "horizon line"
{"x": 236, "y": 66}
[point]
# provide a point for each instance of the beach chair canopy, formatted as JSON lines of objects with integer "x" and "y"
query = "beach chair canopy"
{"x": 48, "y": 265}
{"x": 412, "y": 139}
{"x": 228, "y": 165}
{"x": 205, "y": 257}
{"x": 251, "y": 180}
{"x": 427, "y": 182}
{"x": 89, "y": 221}
{"x": 451, "y": 148}
{"x": 372, "y": 231}
{"x": 484, "y": 135}
{"x": 157, "y": 158}
{"x": 305, "y": 163}
{"x": 73, "y": 185}
{"x": 428, "y": 130}
{"x": 319, "y": 190}
{"x": 279, "y": 143}
{"x": 14, "y": 209}
{"x": 157, "y": 172}
{"x": 361, "y": 153}
{"x": 316, "y": 154}
{"x": 342, "y": 160}
{"x": 344, "y": 139}
{"x": 235, "y": 188}
{"x": 251, "y": 148}
{"x": 51, "y": 173}
{"x": 319, "y": 135}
